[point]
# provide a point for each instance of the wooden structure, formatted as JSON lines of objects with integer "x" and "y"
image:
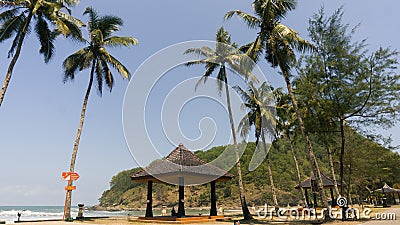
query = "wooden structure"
{"x": 386, "y": 189}
{"x": 181, "y": 167}
{"x": 311, "y": 184}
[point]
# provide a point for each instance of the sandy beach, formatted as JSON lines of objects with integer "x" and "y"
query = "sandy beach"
{"x": 394, "y": 210}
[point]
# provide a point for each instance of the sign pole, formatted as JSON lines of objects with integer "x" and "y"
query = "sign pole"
{"x": 70, "y": 177}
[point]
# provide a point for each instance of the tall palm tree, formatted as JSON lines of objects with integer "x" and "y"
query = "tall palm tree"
{"x": 16, "y": 21}
{"x": 279, "y": 43}
{"x": 226, "y": 54}
{"x": 98, "y": 59}
{"x": 260, "y": 103}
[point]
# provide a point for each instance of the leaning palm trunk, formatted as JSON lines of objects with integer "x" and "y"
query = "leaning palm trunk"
{"x": 15, "y": 58}
{"x": 297, "y": 171}
{"x": 68, "y": 197}
{"x": 271, "y": 180}
{"x": 245, "y": 209}
{"x": 313, "y": 160}
{"x": 332, "y": 171}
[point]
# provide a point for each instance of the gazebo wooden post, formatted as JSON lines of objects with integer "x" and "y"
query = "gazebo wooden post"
{"x": 213, "y": 210}
{"x": 307, "y": 200}
{"x": 181, "y": 203}
{"x": 315, "y": 199}
{"x": 149, "y": 206}
{"x": 332, "y": 197}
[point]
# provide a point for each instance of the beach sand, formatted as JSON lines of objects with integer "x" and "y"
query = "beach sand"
{"x": 124, "y": 221}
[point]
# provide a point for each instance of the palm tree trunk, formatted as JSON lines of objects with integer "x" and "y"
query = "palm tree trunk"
{"x": 15, "y": 58}
{"x": 313, "y": 160}
{"x": 68, "y": 198}
{"x": 245, "y": 209}
{"x": 332, "y": 170}
{"x": 271, "y": 180}
{"x": 341, "y": 169}
{"x": 297, "y": 170}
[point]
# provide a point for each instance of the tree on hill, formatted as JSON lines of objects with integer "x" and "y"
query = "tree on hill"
{"x": 16, "y": 18}
{"x": 98, "y": 59}
{"x": 344, "y": 84}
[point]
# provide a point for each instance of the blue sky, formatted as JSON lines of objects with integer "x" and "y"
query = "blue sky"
{"x": 40, "y": 114}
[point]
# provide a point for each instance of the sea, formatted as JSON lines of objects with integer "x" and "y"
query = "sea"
{"x": 29, "y": 213}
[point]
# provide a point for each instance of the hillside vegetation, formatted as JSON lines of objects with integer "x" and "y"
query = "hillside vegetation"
{"x": 371, "y": 165}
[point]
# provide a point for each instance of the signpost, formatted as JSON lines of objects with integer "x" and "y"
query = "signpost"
{"x": 70, "y": 188}
{"x": 69, "y": 176}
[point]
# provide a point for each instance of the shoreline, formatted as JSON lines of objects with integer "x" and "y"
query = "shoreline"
{"x": 124, "y": 220}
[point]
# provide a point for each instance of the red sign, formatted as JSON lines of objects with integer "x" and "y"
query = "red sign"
{"x": 70, "y": 176}
{"x": 70, "y": 188}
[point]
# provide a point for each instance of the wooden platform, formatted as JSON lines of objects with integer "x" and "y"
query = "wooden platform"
{"x": 182, "y": 220}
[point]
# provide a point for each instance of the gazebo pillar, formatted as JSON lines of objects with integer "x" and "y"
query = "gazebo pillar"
{"x": 213, "y": 210}
{"x": 332, "y": 197}
{"x": 307, "y": 200}
{"x": 315, "y": 199}
{"x": 149, "y": 206}
{"x": 181, "y": 203}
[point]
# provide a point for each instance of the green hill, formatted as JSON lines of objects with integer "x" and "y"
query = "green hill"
{"x": 367, "y": 165}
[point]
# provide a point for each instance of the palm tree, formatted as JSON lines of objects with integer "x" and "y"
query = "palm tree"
{"x": 98, "y": 59}
{"x": 261, "y": 114}
{"x": 16, "y": 22}
{"x": 279, "y": 44}
{"x": 225, "y": 54}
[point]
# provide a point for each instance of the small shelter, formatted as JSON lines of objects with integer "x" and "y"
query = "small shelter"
{"x": 386, "y": 189}
{"x": 311, "y": 183}
{"x": 183, "y": 168}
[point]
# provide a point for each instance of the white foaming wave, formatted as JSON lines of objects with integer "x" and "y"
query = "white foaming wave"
{"x": 28, "y": 213}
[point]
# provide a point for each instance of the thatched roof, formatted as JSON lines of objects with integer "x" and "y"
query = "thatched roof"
{"x": 181, "y": 163}
{"x": 326, "y": 181}
{"x": 387, "y": 189}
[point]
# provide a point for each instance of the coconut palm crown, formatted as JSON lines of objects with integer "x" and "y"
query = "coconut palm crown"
{"x": 95, "y": 55}
{"x": 50, "y": 17}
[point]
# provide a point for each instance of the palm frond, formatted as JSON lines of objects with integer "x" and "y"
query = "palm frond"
{"x": 76, "y": 61}
{"x": 45, "y": 37}
{"x": 119, "y": 67}
{"x": 203, "y": 51}
{"x": 93, "y": 18}
{"x": 71, "y": 2}
{"x": 99, "y": 77}
{"x": 249, "y": 20}
{"x": 109, "y": 24}
{"x": 244, "y": 124}
{"x": 108, "y": 77}
{"x": 8, "y": 14}
{"x": 115, "y": 41}
{"x": 243, "y": 94}
{"x": 14, "y": 44}
{"x": 67, "y": 25}
{"x": 210, "y": 68}
{"x": 12, "y": 26}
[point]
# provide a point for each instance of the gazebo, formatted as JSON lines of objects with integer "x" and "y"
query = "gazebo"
{"x": 183, "y": 168}
{"x": 311, "y": 183}
{"x": 386, "y": 189}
